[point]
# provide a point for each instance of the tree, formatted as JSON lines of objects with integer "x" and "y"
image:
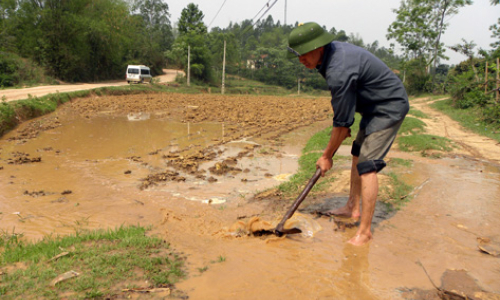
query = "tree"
{"x": 495, "y": 33}
{"x": 154, "y": 32}
{"x": 419, "y": 26}
{"x": 216, "y": 45}
{"x": 79, "y": 40}
{"x": 411, "y": 28}
{"x": 192, "y": 34}
{"x": 157, "y": 25}
{"x": 340, "y": 36}
{"x": 442, "y": 9}
{"x": 192, "y": 20}
{"x": 356, "y": 40}
{"x": 7, "y": 13}
{"x": 467, "y": 49}
{"x": 216, "y": 40}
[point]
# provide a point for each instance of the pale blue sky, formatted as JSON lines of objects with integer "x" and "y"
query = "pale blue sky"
{"x": 369, "y": 18}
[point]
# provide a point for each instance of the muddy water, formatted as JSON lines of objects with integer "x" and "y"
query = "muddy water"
{"x": 455, "y": 202}
{"x": 91, "y": 169}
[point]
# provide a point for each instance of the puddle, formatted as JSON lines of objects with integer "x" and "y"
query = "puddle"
{"x": 67, "y": 173}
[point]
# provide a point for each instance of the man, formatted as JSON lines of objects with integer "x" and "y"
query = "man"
{"x": 358, "y": 82}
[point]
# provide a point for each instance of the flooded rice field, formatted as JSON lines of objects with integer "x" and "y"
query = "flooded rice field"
{"x": 95, "y": 160}
{"x": 190, "y": 165}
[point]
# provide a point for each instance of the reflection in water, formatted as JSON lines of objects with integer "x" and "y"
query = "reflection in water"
{"x": 355, "y": 272}
{"x": 140, "y": 116}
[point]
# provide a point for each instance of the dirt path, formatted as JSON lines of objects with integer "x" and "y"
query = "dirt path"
{"x": 473, "y": 145}
{"x": 103, "y": 148}
{"x": 19, "y": 94}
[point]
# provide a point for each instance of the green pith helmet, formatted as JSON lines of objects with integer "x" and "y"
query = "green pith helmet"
{"x": 306, "y": 38}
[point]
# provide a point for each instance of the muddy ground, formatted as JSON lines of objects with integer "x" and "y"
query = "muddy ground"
{"x": 192, "y": 165}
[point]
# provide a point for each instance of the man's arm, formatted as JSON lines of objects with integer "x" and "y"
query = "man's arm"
{"x": 339, "y": 134}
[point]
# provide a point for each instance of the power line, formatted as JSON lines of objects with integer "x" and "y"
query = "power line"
{"x": 264, "y": 7}
{"x": 267, "y": 4}
{"x": 269, "y": 7}
{"x": 217, "y": 13}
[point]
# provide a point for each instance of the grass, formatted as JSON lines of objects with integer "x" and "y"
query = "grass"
{"x": 401, "y": 162}
{"x": 107, "y": 261}
{"x": 424, "y": 142}
{"x": 411, "y": 126}
{"x": 221, "y": 259}
{"x": 307, "y": 164}
{"x": 319, "y": 141}
{"x": 469, "y": 118}
{"x": 417, "y": 113}
{"x": 412, "y": 137}
{"x": 398, "y": 194}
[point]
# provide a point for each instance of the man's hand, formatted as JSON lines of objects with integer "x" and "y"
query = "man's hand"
{"x": 338, "y": 135}
{"x": 325, "y": 164}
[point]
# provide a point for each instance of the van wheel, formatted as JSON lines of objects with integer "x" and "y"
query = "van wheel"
{"x": 128, "y": 82}
{"x": 142, "y": 80}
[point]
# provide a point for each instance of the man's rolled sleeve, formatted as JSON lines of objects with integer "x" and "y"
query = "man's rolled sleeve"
{"x": 344, "y": 102}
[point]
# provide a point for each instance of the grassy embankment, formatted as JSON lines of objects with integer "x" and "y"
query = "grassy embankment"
{"x": 87, "y": 265}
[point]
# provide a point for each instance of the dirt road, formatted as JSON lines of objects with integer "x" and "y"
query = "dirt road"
{"x": 20, "y": 94}
{"x": 190, "y": 164}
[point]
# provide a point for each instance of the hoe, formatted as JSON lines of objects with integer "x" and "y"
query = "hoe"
{"x": 280, "y": 230}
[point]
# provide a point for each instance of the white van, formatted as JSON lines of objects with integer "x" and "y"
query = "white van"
{"x": 138, "y": 73}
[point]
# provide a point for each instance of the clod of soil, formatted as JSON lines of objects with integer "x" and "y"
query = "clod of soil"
{"x": 22, "y": 158}
{"x": 34, "y": 129}
{"x": 35, "y": 194}
{"x": 189, "y": 163}
{"x": 153, "y": 179}
{"x": 222, "y": 168}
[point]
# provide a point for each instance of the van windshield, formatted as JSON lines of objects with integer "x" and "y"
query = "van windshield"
{"x": 133, "y": 71}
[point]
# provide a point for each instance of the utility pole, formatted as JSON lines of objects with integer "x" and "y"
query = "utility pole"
{"x": 285, "y": 12}
{"x": 486, "y": 78}
{"x": 498, "y": 79}
{"x": 189, "y": 64}
{"x": 223, "y": 68}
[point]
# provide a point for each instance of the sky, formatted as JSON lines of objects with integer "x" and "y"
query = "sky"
{"x": 368, "y": 18}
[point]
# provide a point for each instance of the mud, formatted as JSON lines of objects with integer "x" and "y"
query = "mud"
{"x": 190, "y": 165}
{"x": 455, "y": 285}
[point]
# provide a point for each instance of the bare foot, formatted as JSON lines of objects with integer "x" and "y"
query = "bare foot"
{"x": 344, "y": 211}
{"x": 360, "y": 239}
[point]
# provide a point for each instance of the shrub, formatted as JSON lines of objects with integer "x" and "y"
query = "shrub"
{"x": 15, "y": 70}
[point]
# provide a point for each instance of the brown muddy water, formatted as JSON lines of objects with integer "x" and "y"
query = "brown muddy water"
{"x": 100, "y": 163}
{"x": 89, "y": 168}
